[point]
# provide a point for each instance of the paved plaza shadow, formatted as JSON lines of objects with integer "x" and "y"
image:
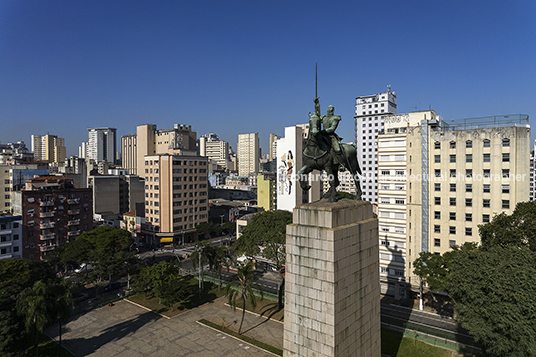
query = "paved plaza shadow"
{"x": 87, "y": 346}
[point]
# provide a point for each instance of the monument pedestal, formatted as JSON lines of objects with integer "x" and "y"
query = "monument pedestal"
{"x": 332, "y": 283}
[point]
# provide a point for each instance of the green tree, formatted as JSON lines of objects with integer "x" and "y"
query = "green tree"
{"x": 142, "y": 281}
{"x": 267, "y": 230}
{"x": 243, "y": 289}
{"x": 16, "y": 275}
{"x": 32, "y": 307}
{"x": 165, "y": 281}
{"x": 207, "y": 228}
{"x": 218, "y": 258}
{"x": 515, "y": 230}
{"x": 493, "y": 292}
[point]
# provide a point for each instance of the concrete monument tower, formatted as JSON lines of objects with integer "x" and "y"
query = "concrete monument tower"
{"x": 332, "y": 287}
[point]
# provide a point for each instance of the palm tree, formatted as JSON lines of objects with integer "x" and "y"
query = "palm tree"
{"x": 243, "y": 288}
{"x": 34, "y": 308}
{"x": 218, "y": 258}
{"x": 61, "y": 298}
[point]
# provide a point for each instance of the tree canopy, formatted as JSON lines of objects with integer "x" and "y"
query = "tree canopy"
{"x": 492, "y": 284}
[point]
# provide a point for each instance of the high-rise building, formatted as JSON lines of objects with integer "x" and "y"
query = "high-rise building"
{"x": 216, "y": 150}
{"x": 438, "y": 181}
{"x": 248, "y": 154}
{"x": 48, "y": 148}
{"x": 176, "y": 194}
{"x": 102, "y": 144}
{"x": 289, "y": 161}
{"x": 369, "y": 113}
{"x": 273, "y": 146}
{"x": 150, "y": 141}
{"x": 53, "y": 212}
{"x": 13, "y": 178}
{"x": 82, "y": 150}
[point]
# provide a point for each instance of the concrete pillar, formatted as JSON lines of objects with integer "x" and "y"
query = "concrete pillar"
{"x": 332, "y": 285}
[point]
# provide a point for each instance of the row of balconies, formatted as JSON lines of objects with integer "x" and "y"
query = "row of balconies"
{"x": 47, "y": 236}
{"x": 46, "y": 248}
{"x": 73, "y": 222}
{"x": 46, "y": 214}
{"x": 46, "y": 203}
{"x": 44, "y": 225}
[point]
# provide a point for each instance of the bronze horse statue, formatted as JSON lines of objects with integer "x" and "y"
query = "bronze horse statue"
{"x": 319, "y": 154}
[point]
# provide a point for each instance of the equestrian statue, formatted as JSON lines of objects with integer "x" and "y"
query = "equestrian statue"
{"x": 324, "y": 151}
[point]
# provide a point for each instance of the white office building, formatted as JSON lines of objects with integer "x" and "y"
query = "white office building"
{"x": 369, "y": 115}
{"x": 102, "y": 144}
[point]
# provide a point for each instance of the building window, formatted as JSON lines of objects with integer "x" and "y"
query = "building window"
{"x": 437, "y": 228}
{"x": 505, "y": 204}
{"x": 487, "y": 188}
{"x": 485, "y": 218}
{"x": 505, "y": 173}
{"x": 452, "y": 243}
{"x": 468, "y": 231}
{"x": 452, "y": 216}
{"x": 505, "y": 188}
{"x": 452, "y": 201}
{"x": 437, "y": 215}
{"x": 506, "y": 157}
{"x": 487, "y": 158}
{"x": 437, "y": 173}
{"x": 452, "y": 173}
{"x": 468, "y": 187}
{"x": 437, "y": 159}
{"x": 486, "y": 203}
{"x": 437, "y": 145}
{"x": 437, "y": 242}
{"x": 452, "y": 145}
{"x": 452, "y": 187}
{"x": 437, "y": 187}
{"x": 505, "y": 142}
{"x": 486, "y": 173}
{"x": 437, "y": 200}
{"x": 452, "y": 230}
{"x": 468, "y": 173}
{"x": 468, "y": 144}
{"x": 452, "y": 158}
{"x": 469, "y": 158}
{"x": 468, "y": 202}
{"x": 468, "y": 217}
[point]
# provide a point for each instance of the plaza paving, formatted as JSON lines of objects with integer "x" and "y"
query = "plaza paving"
{"x": 129, "y": 330}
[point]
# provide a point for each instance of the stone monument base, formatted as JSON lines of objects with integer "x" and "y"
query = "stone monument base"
{"x": 332, "y": 284}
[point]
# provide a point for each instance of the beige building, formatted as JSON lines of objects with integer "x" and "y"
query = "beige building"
{"x": 248, "y": 154}
{"x": 438, "y": 181}
{"x": 150, "y": 141}
{"x": 176, "y": 194}
{"x": 48, "y": 148}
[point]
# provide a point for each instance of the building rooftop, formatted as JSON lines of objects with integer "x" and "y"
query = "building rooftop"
{"x": 494, "y": 121}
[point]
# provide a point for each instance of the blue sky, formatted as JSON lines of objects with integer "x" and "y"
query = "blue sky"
{"x": 232, "y": 66}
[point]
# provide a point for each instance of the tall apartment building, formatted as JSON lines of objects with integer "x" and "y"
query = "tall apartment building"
{"x": 176, "y": 194}
{"x": 102, "y": 144}
{"x": 53, "y": 213}
{"x": 289, "y": 161}
{"x": 10, "y": 236}
{"x": 273, "y": 146}
{"x": 439, "y": 180}
{"x": 248, "y": 154}
{"x": 369, "y": 113}
{"x": 12, "y": 153}
{"x": 48, "y": 148}
{"x": 13, "y": 178}
{"x": 83, "y": 150}
{"x": 150, "y": 141}
{"x": 216, "y": 150}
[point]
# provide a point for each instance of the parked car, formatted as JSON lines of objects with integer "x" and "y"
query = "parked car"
{"x": 114, "y": 285}
{"x": 84, "y": 267}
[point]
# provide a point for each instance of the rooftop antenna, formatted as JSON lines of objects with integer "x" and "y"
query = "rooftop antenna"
{"x": 389, "y": 87}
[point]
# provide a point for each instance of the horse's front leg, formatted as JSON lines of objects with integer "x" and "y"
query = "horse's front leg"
{"x": 301, "y": 176}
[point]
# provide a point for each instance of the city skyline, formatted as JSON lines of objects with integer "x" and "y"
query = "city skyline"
{"x": 66, "y": 67}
